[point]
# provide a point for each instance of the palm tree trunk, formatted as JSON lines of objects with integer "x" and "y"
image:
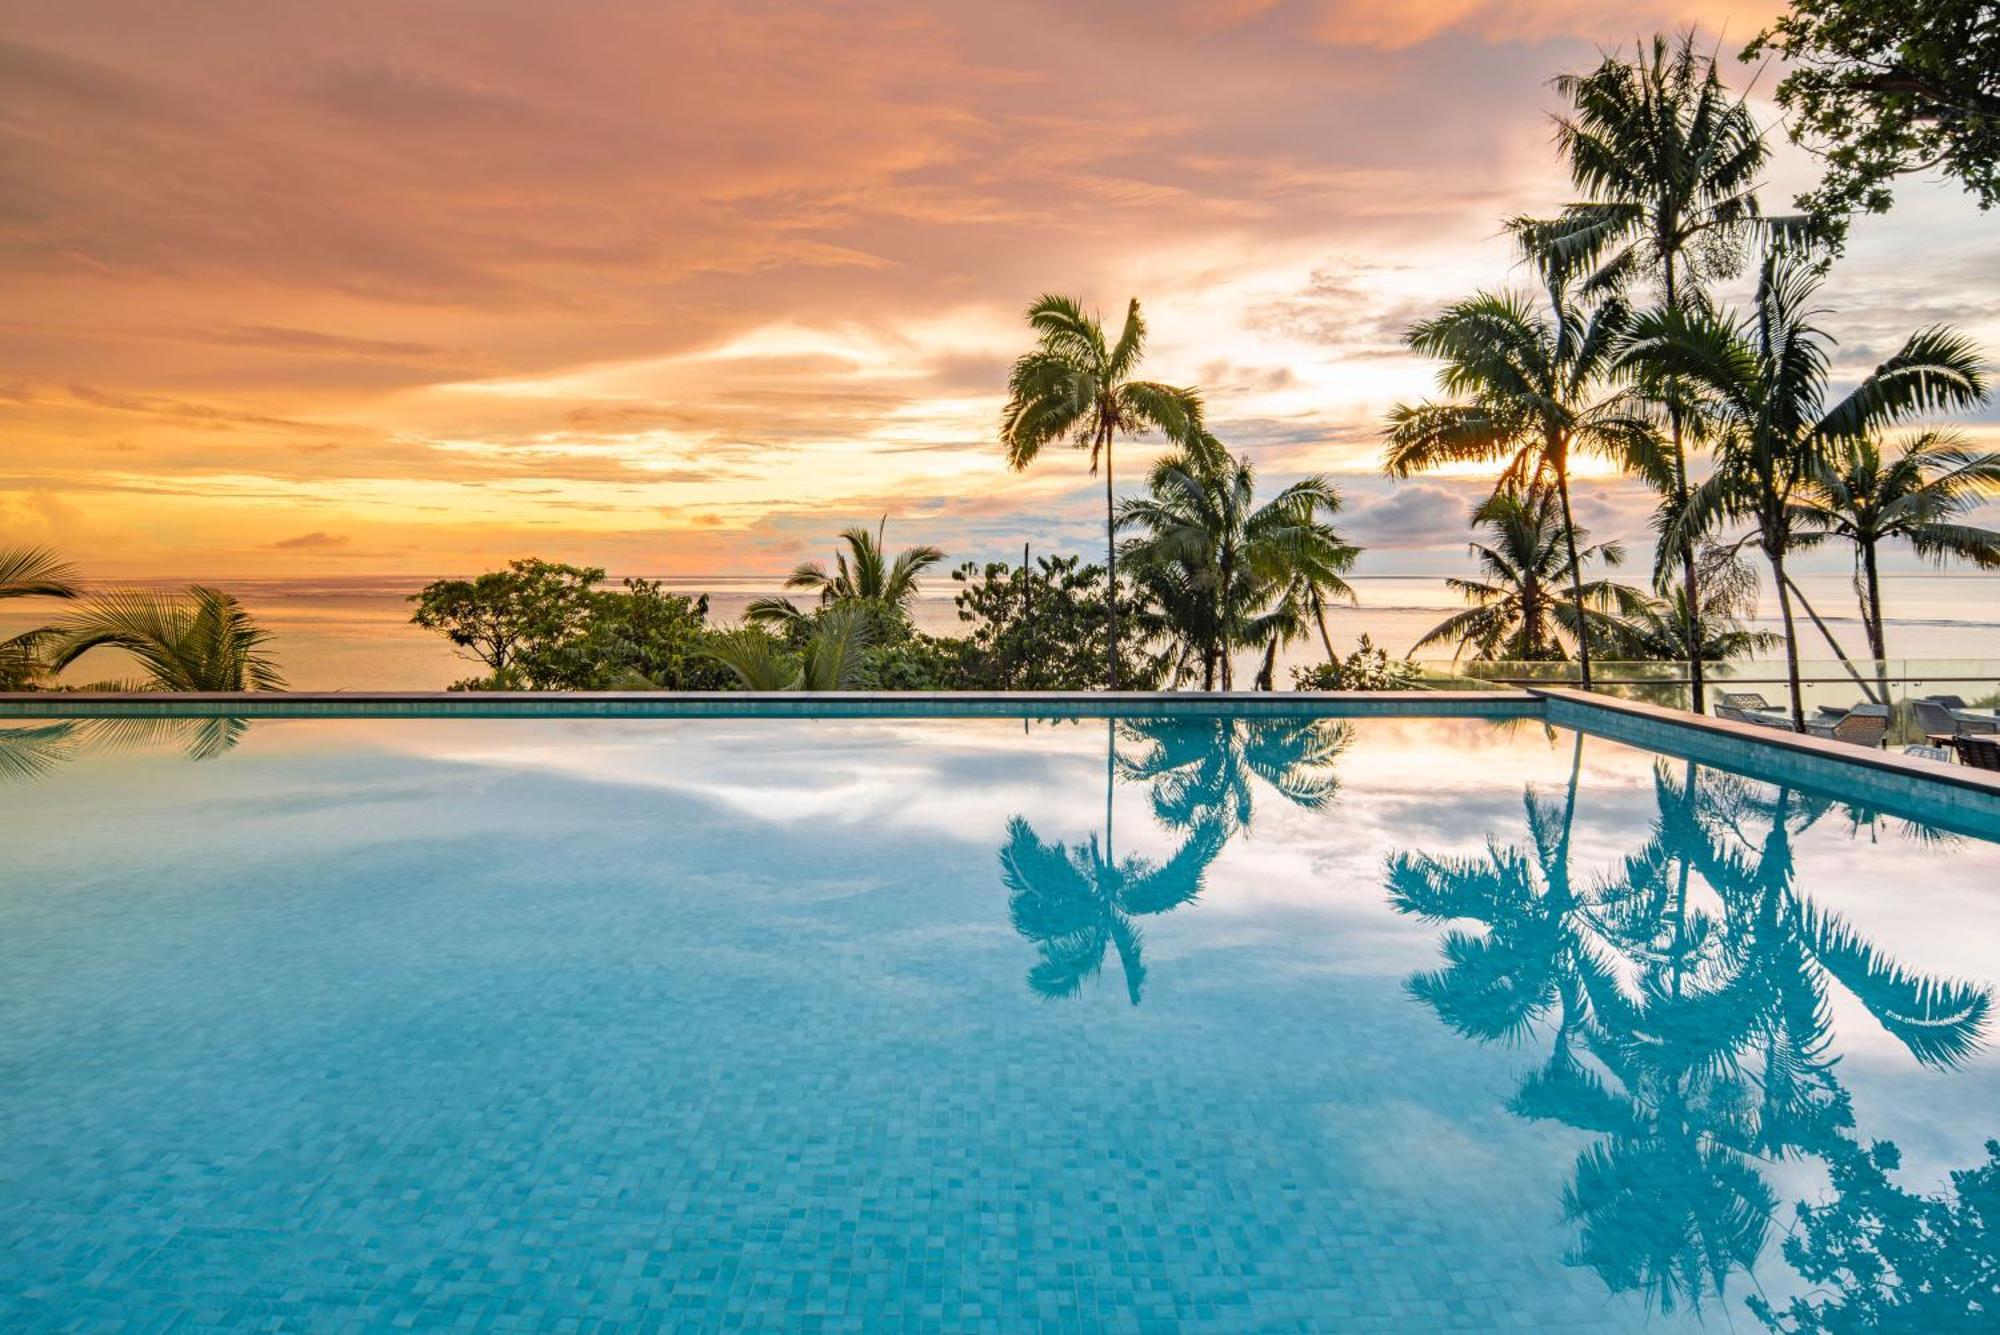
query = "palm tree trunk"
{"x": 1319, "y": 615}
{"x": 1575, "y": 577}
{"x": 1834, "y": 644}
{"x": 1110, "y": 567}
{"x": 1270, "y": 668}
{"x": 1697, "y": 685}
{"x": 1791, "y": 640}
{"x": 1878, "y": 640}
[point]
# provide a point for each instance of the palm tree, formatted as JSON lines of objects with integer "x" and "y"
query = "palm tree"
{"x": 1527, "y": 390}
{"x": 1762, "y": 384}
{"x": 834, "y": 657}
{"x": 30, "y": 572}
{"x": 1200, "y": 770}
{"x": 1226, "y": 572}
{"x": 1667, "y": 162}
{"x": 200, "y": 640}
{"x": 1075, "y": 386}
{"x": 1664, "y": 629}
{"x": 1517, "y": 613}
{"x": 862, "y": 573}
{"x": 1921, "y": 496}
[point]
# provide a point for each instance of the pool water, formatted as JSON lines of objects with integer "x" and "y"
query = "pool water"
{"x": 1376, "y": 1024}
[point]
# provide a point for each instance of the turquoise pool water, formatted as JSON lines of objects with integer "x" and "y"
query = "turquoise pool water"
{"x": 1376, "y": 1024}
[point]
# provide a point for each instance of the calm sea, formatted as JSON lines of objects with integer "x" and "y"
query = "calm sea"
{"x": 354, "y": 633}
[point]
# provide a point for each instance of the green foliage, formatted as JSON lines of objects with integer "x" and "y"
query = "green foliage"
{"x": 862, "y": 573}
{"x": 200, "y": 640}
{"x": 1366, "y": 669}
{"x": 1884, "y": 1259}
{"x": 30, "y": 572}
{"x": 516, "y": 621}
{"x": 543, "y": 626}
{"x": 1038, "y": 628}
{"x": 831, "y": 653}
{"x": 1882, "y": 88}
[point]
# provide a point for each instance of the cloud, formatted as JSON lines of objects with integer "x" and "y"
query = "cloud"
{"x": 315, "y": 541}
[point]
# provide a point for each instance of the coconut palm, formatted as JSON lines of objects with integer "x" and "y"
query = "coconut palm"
{"x": 1667, "y": 162}
{"x": 1517, "y": 612}
{"x": 1665, "y": 629}
{"x": 30, "y": 572}
{"x": 1921, "y": 496}
{"x": 1077, "y": 387}
{"x": 1762, "y": 384}
{"x": 1226, "y": 573}
{"x": 862, "y": 573}
{"x": 1528, "y": 390}
{"x": 834, "y": 656}
{"x": 199, "y": 640}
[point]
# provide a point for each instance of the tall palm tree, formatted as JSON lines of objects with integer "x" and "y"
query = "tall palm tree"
{"x": 1306, "y": 560}
{"x": 1666, "y": 628}
{"x": 1528, "y": 390}
{"x": 834, "y": 657}
{"x": 862, "y": 573}
{"x": 30, "y": 572}
{"x": 1921, "y": 496}
{"x": 1518, "y": 613}
{"x": 1667, "y": 162}
{"x": 1076, "y": 386}
{"x": 200, "y": 640}
{"x": 1762, "y": 382}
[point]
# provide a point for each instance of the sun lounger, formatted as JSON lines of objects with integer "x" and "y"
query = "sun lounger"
{"x": 1863, "y": 725}
{"x": 1980, "y": 751}
{"x": 1939, "y": 719}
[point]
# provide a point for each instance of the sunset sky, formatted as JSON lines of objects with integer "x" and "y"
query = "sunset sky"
{"x": 311, "y": 288}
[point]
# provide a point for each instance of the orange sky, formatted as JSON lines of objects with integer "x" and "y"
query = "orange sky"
{"x": 304, "y": 288}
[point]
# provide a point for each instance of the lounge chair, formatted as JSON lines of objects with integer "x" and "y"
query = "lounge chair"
{"x": 1939, "y": 720}
{"x": 1946, "y": 715}
{"x": 1927, "y": 753}
{"x": 1735, "y": 714}
{"x": 1740, "y": 700}
{"x": 1980, "y": 752}
{"x": 1863, "y": 725}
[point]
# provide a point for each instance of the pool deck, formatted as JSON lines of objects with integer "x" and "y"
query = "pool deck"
{"x": 1956, "y": 796}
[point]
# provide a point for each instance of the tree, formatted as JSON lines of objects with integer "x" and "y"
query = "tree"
{"x": 1225, "y": 573}
{"x": 512, "y": 620}
{"x": 1077, "y": 387}
{"x": 638, "y": 638}
{"x": 1527, "y": 390}
{"x": 1518, "y": 614}
{"x": 863, "y": 573}
{"x": 1038, "y": 627}
{"x": 1664, "y": 628}
{"x": 200, "y": 640}
{"x": 1920, "y": 496}
{"x": 833, "y": 656}
{"x": 1668, "y": 163}
{"x": 30, "y": 572}
{"x": 1762, "y": 381}
{"x": 1886, "y": 88}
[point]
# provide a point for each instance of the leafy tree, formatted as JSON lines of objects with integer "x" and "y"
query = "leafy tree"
{"x": 1880, "y": 1258}
{"x": 640, "y": 638}
{"x": 1885, "y": 88}
{"x": 1762, "y": 382}
{"x": 30, "y": 572}
{"x": 1368, "y": 668}
{"x": 1528, "y": 390}
{"x": 516, "y": 621}
{"x": 200, "y": 640}
{"x": 1077, "y": 387}
{"x": 1038, "y": 627}
{"x": 1517, "y": 612}
{"x": 862, "y": 573}
{"x": 1921, "y": 496}
{"x": 1667, "y": 162}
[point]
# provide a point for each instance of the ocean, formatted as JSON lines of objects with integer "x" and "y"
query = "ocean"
{"x": 354, "y": 633}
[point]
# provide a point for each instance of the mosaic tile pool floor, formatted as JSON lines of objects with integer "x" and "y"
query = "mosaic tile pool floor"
{"x": 1392, "y": 1024}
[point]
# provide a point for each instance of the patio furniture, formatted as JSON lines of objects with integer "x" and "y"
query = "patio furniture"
{"x": 1938, "y": 753}
{"x": 1740, "y": 701}
{"x": 1863, "y": 725}
{"x": 1978, "y": 751}
{"x": 1736, "y": 714}
{"x": 1935, "y": 716}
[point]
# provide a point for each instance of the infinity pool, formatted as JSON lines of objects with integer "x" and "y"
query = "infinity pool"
{"x": 1376, "y": 1024}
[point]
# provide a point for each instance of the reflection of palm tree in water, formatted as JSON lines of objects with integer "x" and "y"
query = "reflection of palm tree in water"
{"x": 1689, "y": 994}
{"x": 1079, "y": 902}
{"x": 35, "y": 751}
